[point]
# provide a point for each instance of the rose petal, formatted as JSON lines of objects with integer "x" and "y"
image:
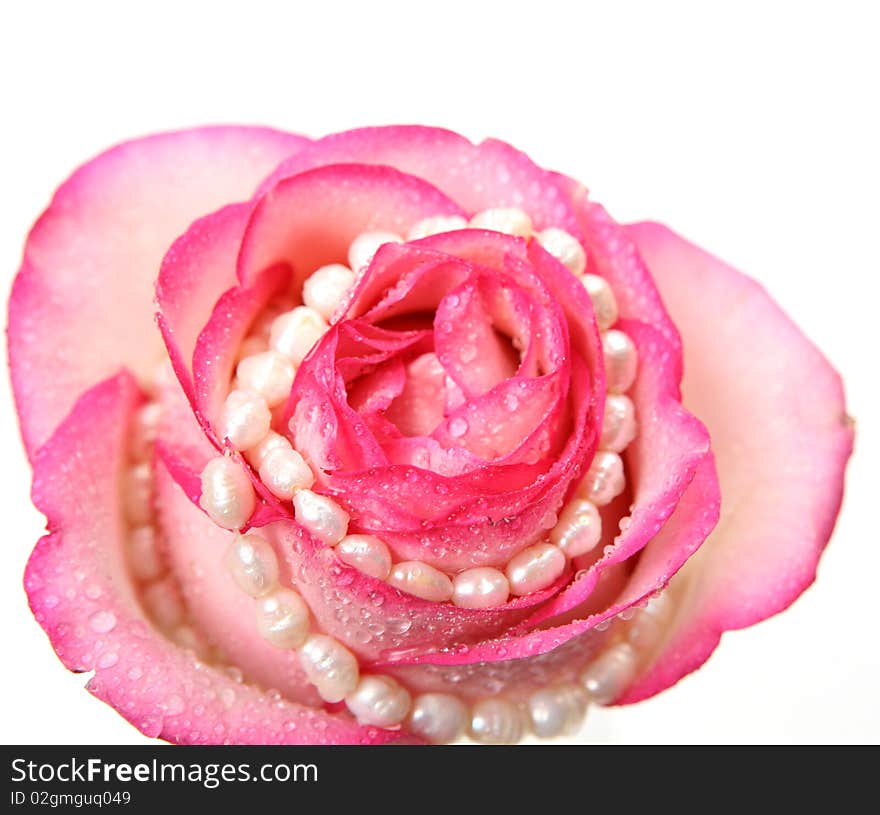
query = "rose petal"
{"x": 490, "y": 174}
{"x": 81, "y": 305}
{"x": 781, "y": 436}
{"x": 503, "y": 425}
{"x": 417, "y": 406}
{"x": 216, "y": 350}
{"x": 81, "y": 594}
{"x": 614, "y": 255}
{"x": 474, "y": 353}
{"x": 195, "y": 273}
{"x": 310, "y": 219}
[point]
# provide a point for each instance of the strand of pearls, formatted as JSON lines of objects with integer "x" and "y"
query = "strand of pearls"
{"x": 560, "y": 708}
{"x": 283, "y": 619}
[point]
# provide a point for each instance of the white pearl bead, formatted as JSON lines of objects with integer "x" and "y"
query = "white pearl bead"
{"x": 284, "y": 471}
{"x": 610, "y": 674}
{"x": 329, "y": 666}
{"x": 269, "y": 374}
{"x": 227, "y": 493}
{"x": 252, "y": 564}
{"x": 618, "y": 423}
{"x": 365, "y": 245}
{"x": 566, "y": 248}
{"x": 163, "y": 604}
{"x": 283, "y": 619}
{"x": 435, "y": 226}
{"x": 379, "y": 701}
{"x": 483, "y": 587}
{"x": 271, "y": 441}
{"x": 321, "y": 515}
{"x": 421, "y": 580}
{"x": 621, "y": 360}
{"x": 144, "y": 558}
{"x": 579, "y": 528}
{"x": 604, "y": 301}
{"x": 144, "y": 429}
{"x": 325, "y": 287}
{"x": 497, "y": 721}
{"x": 535, "y": 568}
{"x": 366, "y": 553}
{"x": 605, "y": 479}
{"x": 557, "y": 710}
{"x": 438, "y": 717}
{"x": 244, "y": 420}
{"x": 295, "y": 332}
{"x": 509, "y": 220}
{"x": 138, "y": 493}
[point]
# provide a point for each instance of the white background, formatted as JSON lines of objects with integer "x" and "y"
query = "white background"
{"x": 752, "y": 130}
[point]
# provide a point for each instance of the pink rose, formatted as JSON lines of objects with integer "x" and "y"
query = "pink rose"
{"x": 425, "y": 464}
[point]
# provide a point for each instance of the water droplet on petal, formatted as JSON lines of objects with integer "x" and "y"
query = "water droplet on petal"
{"x": 102, "y": 621}
{"x": 458, "y": 426}
{"x": 468, "y": 353}
{"x": 174, "y": 706}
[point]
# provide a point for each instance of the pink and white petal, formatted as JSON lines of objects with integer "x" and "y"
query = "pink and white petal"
{"x": 614, "y": 255}
{"x": 81, "y": 594}
{"x": 82, "y": 303}
{"x": 404, "y": 280}
{"x": 195, "y": 273}
{"x": 775, "y": 409}
{"x": 500, "y": 424}
{"x": 216, "y": 350}
{"x": 476, "y": 176}
{"x": 415, "y": 405}
{"x": 538, "y": 272}
{"x": 310, "y": 220}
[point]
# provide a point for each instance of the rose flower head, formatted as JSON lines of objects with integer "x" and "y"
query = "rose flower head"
{"x": 384, "y": 437}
